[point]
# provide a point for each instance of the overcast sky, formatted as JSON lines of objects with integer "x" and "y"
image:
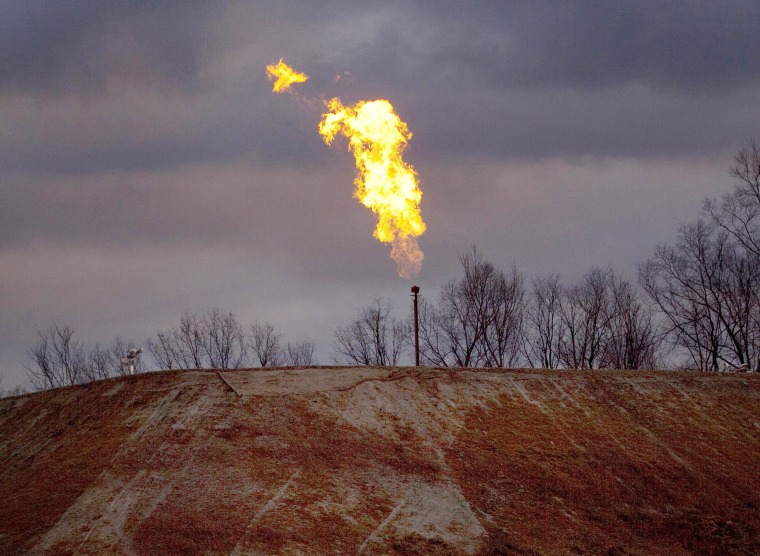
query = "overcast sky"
{"x": 146, "y": 168}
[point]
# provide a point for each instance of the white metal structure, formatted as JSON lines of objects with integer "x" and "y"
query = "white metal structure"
{"x": 130, "y": 359}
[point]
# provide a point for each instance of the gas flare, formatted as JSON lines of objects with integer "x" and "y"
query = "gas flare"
{"x": 284, "y": 76}
{"x": 384, "y": 182}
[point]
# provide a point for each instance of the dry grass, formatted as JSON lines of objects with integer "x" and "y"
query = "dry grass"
{"x": 439, "y": 462}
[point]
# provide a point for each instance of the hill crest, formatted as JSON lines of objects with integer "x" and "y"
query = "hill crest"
{"x": 373, "y": 460}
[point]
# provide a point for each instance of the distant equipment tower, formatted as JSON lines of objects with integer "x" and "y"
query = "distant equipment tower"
{"x": 415, "y": 292}
{"x": 130, "y": 360}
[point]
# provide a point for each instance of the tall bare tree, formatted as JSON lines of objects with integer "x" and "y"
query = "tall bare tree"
{"x": 434, "y": 346}
{"x": 265, "y": 345}
{"x": 464, "y": 310}
{"x": 164, "y": 350}
{"x": 504, "y": 332}
{"x": 373, "y": 338}
{"x": 738, "y": 212}
{"x": 99, "y": 364}
{"x": 544, "y": 323}
{"x": 57, "y": 359}
{"x": 634, "y": 340}
{"x": 189, "y": 340}
{"x": 213, "y": 339}
{"x": 585, "y": 316}
{"x": 299, "y": 354}
{"x": 478, "y": 320}
{"x": 687, "y": 284}
{"x": 224, "y": 342}
{"x": 739, "y": 306}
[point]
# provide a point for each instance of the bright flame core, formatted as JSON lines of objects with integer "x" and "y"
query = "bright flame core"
{"x": 384, "y": 182}
{"x": 284, "y": 76}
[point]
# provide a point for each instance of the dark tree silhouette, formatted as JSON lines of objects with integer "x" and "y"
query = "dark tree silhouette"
{"x": 373, "y": 338}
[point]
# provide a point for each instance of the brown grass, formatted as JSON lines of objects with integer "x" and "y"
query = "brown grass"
{"x": 547, "y": 463}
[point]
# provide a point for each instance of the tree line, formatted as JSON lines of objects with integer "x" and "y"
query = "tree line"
{"x": 706, "y": 287}
{"x": 492, "y": 318}
{"x": 213, "y": 339}
{"x": 695, "y": 304}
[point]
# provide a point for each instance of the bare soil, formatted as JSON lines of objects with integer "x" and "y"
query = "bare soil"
{"x": 372, "y": 461}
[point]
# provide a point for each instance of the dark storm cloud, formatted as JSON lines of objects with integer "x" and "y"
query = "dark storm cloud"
{"x": 182, "y": 82}
{"x": 689, "y": 46}
{"x": 542, "y": 79}
{"x": 489, "y": 81}
{"x": 698, "y": 46}
{"x": 56, "y": 47}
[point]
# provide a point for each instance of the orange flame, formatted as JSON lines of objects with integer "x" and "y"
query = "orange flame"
{"x": 284, "y": 76}
{"x": 384, "y": 182}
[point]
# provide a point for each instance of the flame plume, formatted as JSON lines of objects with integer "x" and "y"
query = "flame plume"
{"x": 384, "y": 182}
{"x": 284, "y": 76}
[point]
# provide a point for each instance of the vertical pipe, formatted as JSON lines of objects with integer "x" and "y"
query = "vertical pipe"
{"x": 415, "y": 291}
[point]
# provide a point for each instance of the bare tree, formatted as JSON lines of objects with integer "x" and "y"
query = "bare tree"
{"x": 503, "y": 337}
{"x": 265, "y": 345}
{"x": 98, "y": 364}
{"x": 730, "y": 332}
{"x": 739, "y": 291}
{"x": 299, "y": 354}
{"x": 634, "y": 340}
{"x": 223, "y": 340}
{"x": 585, "y": 315}
{"x": 189, "y": 341}
{"x": 738, "y": 212}
{"x": 57, "y": 359}
{"x": 164, "y": 351}
{"x": 478, "y": 320}
{"x": 543, "y": 322}
{"x": 373, "y": 338}
{"x": 217, "y": 340}
{"x": 213, "y": 339}
{"x": 434, "y": 347}
{"x": 685, "y": 284}
{"x": 463, "y": 310}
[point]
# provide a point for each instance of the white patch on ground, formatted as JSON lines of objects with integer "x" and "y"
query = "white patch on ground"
{"x": 433, "y": 512}
{"x": 271, "y": 503}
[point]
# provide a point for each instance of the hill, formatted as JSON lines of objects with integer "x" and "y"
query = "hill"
{"x": 384, "y": 461}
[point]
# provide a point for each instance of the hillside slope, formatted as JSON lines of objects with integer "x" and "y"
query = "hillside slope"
{"x": 384, "y": 461}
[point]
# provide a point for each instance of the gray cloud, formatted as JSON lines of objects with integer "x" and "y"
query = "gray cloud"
{"x": 525, "y": 80}
{"x": 51, "y": 47}
{"x": 701, "y": 46}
